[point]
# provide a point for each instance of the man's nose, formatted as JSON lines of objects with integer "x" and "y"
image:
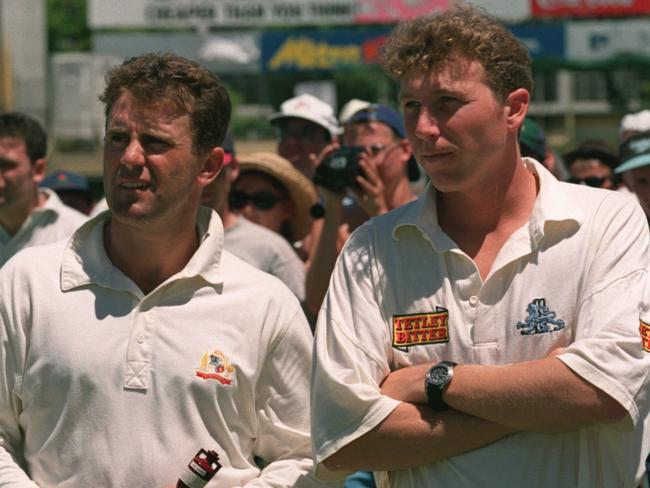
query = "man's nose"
{"x": 133, "y": 154}
{"x": 426, "y": 125}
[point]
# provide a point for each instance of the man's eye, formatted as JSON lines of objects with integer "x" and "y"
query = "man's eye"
{"x": 448, "y": 99}
{"x": 117, "y": 139}
{"x": 153, "y": 144}
{"x": 411, "y": 105}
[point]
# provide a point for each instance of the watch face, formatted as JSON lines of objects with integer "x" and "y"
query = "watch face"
{"x": 439, "y": 375}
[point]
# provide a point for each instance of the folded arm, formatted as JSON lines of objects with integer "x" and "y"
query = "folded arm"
{"x": 543, "y": 395}
{"x": 413, "y": 435}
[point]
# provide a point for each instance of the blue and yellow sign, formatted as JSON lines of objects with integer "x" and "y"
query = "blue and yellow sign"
{"x": 303, "y": 50}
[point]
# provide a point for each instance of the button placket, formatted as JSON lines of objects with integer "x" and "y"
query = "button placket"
{"x": 138, "y": 364}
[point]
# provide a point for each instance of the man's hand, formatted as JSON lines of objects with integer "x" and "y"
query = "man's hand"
{"x": 371, "y": 195}
{"x": 317, "y": 159}
{"x": 407, "y": 384}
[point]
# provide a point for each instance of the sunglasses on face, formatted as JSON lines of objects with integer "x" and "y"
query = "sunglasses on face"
{"x": 375, "y": 149}
{"x": 593, "y": 181}
{"x": 261, "y": 200}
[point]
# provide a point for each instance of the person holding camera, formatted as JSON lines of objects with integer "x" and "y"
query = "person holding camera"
{"x": 367, "y": 176}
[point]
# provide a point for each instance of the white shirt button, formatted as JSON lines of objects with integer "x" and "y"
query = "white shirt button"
{"x": 473, "y": 300}
{"x": 140, "y": 339}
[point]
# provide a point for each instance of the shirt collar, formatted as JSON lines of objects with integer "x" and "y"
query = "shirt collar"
{"x": 85, "y": 260}
{"x": 553, "y": 205}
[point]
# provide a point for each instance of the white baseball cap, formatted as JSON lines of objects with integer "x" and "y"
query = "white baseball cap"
{"x": 352, "y": 107}
{"x": 310, "y": 108}
{"x": 636, "y": 122}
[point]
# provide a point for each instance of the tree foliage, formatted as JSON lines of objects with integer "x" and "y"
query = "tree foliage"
{"x": 67, "y": 28}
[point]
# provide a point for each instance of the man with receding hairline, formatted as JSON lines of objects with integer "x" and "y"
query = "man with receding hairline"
{"x": 140, "y": 341}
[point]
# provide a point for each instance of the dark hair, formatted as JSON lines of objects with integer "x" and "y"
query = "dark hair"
{"x": 154, "y": 76}
{"x": 593, "y": 149}
{"x": 22, "y": 126}
{"x": 461, "y": 31}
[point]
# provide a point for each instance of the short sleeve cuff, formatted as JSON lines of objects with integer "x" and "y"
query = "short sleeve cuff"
{"x": 599, "y": 379}
{"x": 375, "y": 415}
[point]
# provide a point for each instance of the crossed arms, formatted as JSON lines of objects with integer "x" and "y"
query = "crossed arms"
{"x": 487, "y": 403}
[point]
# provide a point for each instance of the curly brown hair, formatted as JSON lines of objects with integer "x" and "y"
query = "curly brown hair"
{"x": 192, "y": 88}
{"x": 462, "y": 31}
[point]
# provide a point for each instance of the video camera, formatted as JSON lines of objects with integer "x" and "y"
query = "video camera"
{"x": 340, "y": 169}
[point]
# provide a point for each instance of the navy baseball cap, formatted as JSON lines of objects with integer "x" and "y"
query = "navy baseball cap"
{"x": 66, "y": 181}
{"x": 383, "y": 114}
{"x": 634, "y": 152}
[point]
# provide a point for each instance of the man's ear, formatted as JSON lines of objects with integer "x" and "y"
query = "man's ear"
{"x": 211, "y": 166}
{"x": 516, "y": 108}
{"x": 39, "y": 167}
{"x": 234, "y": 170}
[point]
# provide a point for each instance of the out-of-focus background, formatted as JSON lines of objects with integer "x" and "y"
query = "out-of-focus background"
{"x": 591, "y": 59}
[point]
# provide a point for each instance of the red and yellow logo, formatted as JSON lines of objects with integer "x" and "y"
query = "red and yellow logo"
{"x": 216, "y": 366}
{"x": 644, "y": 329}
{"x": 420, "y": 329}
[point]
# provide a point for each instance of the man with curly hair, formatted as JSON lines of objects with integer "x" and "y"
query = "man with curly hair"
{"x": 486, "y": 334}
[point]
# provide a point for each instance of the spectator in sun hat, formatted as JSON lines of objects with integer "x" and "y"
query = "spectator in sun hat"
{"x": 306, "y": 125}
{"x": 73, "y": 189}
{"x": 635, "y": 167}
{"x": 592, "y": 163}
{"x": 271, "y": 192}
{"x": 255, "y": 244}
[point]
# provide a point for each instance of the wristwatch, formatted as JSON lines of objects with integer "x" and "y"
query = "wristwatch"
{"x": 435, "y": 382}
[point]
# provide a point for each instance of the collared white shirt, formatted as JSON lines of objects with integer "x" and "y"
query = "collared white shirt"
{"x": 101, "y": 385}
{"x": 49, "y": 223}
{"x": 403, "y": 293}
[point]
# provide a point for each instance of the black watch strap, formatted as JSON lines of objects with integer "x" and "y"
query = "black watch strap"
{"x": 435, "y": 389}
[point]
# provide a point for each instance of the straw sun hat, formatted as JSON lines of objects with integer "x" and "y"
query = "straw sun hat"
{"x": 302, "y": 192}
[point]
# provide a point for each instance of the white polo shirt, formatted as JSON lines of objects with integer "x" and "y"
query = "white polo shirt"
{"x": 103, "y": 386}
{"x": 51, "y": 222}
{"x": 403, "y": 293}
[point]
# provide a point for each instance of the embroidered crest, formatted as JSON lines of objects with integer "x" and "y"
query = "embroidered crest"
{"x": 421, "y": 328}
{"x": 540, "y": 319}
{"x": 215, "y": 366}
{"x": 644, "y": 329}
